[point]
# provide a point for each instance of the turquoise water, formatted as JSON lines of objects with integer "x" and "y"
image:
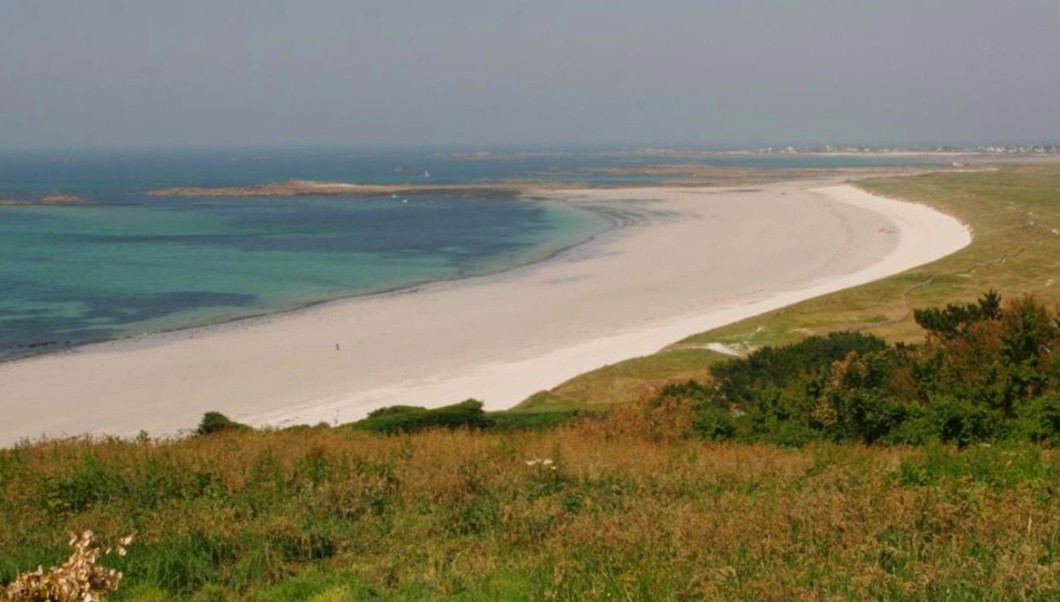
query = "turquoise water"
{"x": 128, "y": 263}
{"x": 73, "y": 275}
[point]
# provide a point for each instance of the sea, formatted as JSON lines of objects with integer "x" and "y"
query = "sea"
{"x": 126, "y": 263}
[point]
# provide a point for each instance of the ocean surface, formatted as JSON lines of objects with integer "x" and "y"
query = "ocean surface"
{"x": 127, "y": 263}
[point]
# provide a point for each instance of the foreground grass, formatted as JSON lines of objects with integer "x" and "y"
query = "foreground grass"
{"x": 1014, "y": 213}
{"x": 626, "y": 509}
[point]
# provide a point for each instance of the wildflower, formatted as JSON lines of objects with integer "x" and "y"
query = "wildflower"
{"x": 543, "y": 462}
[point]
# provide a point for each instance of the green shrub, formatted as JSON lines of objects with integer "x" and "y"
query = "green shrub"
{"x": 216, "y": 422}
{"x": 740, "y": 380}
{"x": 956, "y": 319}
{"x": 467, "y": 414}
{"x": 961, "y": 421}
{"x": 988, "y": 372}
{"x": 1038, "y": 420}
{"x": 395, "y": 410}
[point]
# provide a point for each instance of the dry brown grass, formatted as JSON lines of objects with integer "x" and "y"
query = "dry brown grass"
{"x": 629, "y": 508}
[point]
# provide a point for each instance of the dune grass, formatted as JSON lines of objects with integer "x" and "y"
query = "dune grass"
{"x": 625, "y": 381}
{"x": 1014, "y": 213}
{"x": 624, "y": 508}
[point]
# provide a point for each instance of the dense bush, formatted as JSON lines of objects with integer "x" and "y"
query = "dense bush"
{"x": 468, "y": 414}
{"x": 216, "y": 422}
{"x": 988, "y": 371}
{"x": 407, "y": 419}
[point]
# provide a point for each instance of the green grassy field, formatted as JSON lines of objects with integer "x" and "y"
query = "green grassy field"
{"x": 1014, "y": 213}
{"x": 624, "y": 506}
{"x": 625, "y": 509}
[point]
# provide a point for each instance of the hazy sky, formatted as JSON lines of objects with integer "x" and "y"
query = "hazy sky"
{"x": 527, "y": 72}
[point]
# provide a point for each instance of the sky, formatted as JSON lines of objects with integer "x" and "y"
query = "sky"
{"x": 527, "y": 73}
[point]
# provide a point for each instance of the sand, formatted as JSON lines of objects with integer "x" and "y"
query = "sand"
{"x": 695, "y": 259}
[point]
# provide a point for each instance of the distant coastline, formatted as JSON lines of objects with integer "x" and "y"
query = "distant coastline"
{"x": 51, "y": 199}
{"x": 297, "y": 187}
{"x": 685, "y": 174}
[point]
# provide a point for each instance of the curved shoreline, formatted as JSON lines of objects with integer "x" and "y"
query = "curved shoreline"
{"x": 616, "y": 221}
{"x": 925, "y": 235}
{"x": 499, "y": 338}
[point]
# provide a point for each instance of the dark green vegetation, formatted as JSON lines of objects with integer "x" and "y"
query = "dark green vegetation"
{"x": 406, "y": 419}
{"x": 986, "y": 373}
{"x": 216, "y": 422}
{"x": 468, "y": 414}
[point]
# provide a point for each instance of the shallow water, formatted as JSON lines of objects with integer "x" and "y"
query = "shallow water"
{"x": 77, "y": 274}
{"x": 129, "y": 263}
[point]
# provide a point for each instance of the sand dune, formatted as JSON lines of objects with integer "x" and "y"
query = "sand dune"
{"x": 699, "y": 258}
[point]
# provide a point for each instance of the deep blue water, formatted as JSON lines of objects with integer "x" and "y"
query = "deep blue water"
{"x": 129, "y": 263}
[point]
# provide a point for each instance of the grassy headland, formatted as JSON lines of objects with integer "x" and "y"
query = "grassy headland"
{"x": 1014, "y": 213}
{"x": 671, "y": 175}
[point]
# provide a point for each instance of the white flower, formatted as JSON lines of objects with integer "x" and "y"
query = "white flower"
{"x": 549, "y": 462}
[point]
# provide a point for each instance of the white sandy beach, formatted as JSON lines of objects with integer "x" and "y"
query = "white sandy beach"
{"x": 703, "y": 258}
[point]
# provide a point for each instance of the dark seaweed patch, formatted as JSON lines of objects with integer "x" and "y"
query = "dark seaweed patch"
{"x": 35, "y": 330}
